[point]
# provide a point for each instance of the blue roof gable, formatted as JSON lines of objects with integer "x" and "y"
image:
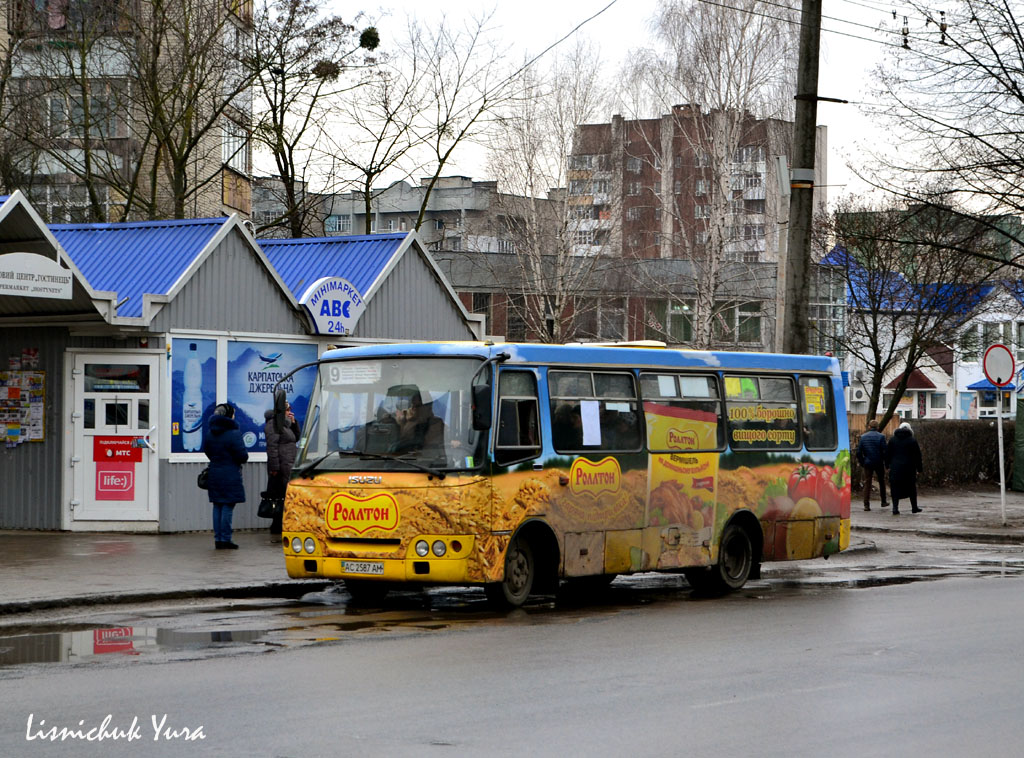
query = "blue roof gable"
{"x": 138, "y": 258}
{"x": 361, "y": 259}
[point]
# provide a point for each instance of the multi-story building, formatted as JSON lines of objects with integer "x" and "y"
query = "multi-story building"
{"x": 87, "y": 131}
{"x": 673, "y": 186}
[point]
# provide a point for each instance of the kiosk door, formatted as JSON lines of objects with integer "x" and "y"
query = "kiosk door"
{"x": 115, "y": 461}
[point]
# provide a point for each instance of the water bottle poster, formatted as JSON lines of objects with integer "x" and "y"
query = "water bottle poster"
{"x": 253, "y": 370}
{"x": 193, "y": 391}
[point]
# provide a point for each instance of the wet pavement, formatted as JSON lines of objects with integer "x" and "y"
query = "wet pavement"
{"x": 42, "y": 570}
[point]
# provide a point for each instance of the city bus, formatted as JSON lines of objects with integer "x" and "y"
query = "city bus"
{"x": 518, "y": 466}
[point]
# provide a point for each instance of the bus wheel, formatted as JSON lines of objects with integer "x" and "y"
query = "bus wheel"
{"x": 734, "y": 567}
{"x": 520, "y": 570}
{"x": 366, "y": 593}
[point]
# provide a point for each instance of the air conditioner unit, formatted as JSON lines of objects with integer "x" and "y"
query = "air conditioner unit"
{"x": 861, "y": 375}
{"x": 859, "y": 394}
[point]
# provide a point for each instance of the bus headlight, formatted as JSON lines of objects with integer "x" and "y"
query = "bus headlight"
{"x": 296, "y": 545}
{"x": 310, "y": 545}
{"x": 422, "y": 548}
{"x": 439, "y": 548}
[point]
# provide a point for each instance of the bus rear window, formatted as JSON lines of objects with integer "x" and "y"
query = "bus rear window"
{"x": 682, "y": 412}
{"x": 761, "y": 413}
{"x": 819, "y": 423}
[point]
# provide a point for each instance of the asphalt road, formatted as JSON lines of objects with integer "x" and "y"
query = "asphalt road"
{"x": 781, "y": 669}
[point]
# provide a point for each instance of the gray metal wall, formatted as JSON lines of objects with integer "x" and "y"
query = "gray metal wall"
{"x": 231, "y": 291}
{"x": 32, "y": 474}
{"x": 186, "y": 508}
{"x": 411, "y": 304}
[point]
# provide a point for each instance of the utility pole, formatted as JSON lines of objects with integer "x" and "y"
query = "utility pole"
{"x": 801, "y": 202}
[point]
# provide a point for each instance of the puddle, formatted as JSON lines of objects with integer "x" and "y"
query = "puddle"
{"x": 79, "y": 645}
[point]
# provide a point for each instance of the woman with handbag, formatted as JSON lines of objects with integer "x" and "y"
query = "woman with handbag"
{"x": 224, "y": 447}
{"x": 281, "y": 449}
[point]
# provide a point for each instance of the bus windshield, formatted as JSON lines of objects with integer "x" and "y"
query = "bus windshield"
{"x": 392, "y": 414}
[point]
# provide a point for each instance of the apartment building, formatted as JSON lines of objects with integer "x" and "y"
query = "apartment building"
{"x": 90, "y": 132}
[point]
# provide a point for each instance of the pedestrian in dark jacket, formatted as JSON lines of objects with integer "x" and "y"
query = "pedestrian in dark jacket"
{"x": 871, "y": 451}
{"x": 903, "y": 456}
{"x": 224, "y": 447}
{"x": 281, "y": 449}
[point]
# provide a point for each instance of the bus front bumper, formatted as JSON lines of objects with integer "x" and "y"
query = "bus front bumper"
{"x": 453, "y": 568}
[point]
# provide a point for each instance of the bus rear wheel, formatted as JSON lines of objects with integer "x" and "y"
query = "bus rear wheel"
{"x": 735, "y": 564}
{"x": 520, "y": 571}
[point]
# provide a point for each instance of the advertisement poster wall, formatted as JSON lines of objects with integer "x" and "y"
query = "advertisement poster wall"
{"x": 253, "y": 370}
{"x": 193, "y": 391}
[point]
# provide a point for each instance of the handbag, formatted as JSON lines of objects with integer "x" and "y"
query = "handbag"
{"x": 269, "y": 507}
{"x": 203, "y": 480}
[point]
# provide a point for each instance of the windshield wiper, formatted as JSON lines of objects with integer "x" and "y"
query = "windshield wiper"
{"x": 370, "y": 456}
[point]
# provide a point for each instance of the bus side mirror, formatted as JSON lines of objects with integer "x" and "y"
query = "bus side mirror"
{"x": 482, "y": 407}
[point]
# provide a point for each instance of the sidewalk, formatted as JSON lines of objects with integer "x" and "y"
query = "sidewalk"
{"x": 41, "y": 570}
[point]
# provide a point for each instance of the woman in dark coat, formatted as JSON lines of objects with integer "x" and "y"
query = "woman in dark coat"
{"x": 281, "y": 449}
{"x": 224, "y": 447}
{"x": 903, "y": 459}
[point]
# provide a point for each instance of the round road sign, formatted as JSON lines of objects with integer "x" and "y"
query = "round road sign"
{"x": 998, "y": 365}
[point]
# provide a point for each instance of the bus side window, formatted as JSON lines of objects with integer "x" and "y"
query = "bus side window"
{"x": 817, "y": 413}
{"x": 762, "y": 413}
{"x": 518, "y": 431}
{"x": 683, "y": 412}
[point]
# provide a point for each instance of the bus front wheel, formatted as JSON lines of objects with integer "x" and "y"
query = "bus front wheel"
{"x": 735, "y": 564}
{"x": 520, "y": 571}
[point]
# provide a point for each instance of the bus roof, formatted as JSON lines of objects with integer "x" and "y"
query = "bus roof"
{"x": 621, "y": 356}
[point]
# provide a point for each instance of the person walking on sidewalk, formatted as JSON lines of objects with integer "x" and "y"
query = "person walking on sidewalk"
{"x": 903, "y": 456}
{"x": 281, "y": 449}
{"x": 224, "y": 447}
{"x": 871, "y": 454}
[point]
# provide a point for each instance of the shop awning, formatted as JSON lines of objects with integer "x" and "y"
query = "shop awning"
{"x": 986, "y": 386}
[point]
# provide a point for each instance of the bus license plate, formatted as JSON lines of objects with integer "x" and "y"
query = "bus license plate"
{"x": 362, "y": 567}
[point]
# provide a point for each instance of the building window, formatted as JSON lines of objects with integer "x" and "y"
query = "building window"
{"x": 633, "y": 188}
{"x": 578, "y": 187}
{"x": 235, "y": 152}
{"x": 677, "y": 186}
{"x": 600, "y": 186}
{"x": 68, "y": 203}
{"x": 657, "y": 213}
{"x": 455, "y": 244}
{"x": 753, "y": 181}
{"x": 749, "y": 154}
{"x": 389, "y": 225}
{"x": 633, "y": 165}
{"x": 505, "y": 246}
{"x": 657, "y": 162}
{"x": 700, "y": 187}
{"x": 515, "y": 330}
{"x": 581, "y": 162}
{"x": 633, "y": 214}
{"x": 438, "y": 224}
{"x": 702, "y": 159}
{"x": 669, "y": 321}
{"x": 753, "y": 206}
{"x": 749, "y": 326}
{"x": 702, "y": 211}
{"x": 678, "y": 161}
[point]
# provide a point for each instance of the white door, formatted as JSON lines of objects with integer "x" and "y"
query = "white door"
{"x": 114, "y": 460}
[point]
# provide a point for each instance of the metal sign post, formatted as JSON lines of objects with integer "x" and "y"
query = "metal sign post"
{"x": 998, "y": 368}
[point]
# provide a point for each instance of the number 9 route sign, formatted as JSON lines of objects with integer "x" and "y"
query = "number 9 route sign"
{"x": 998, "y": 365}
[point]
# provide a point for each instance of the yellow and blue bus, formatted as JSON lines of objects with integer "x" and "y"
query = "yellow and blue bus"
{"x": 516, "y": 466}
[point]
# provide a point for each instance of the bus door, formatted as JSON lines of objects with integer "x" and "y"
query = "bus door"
{"x": 685, "y": 432}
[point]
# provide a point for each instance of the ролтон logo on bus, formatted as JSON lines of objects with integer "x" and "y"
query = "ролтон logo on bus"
{"x": 593, "y": 478}
{"x": 684, "y": 439}
{"x": 360, "y": 514}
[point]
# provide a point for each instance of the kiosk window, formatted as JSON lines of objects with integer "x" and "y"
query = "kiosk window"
{"x": 818, "y": 413}
{"x": 593, "y": 411}
{"x": 518, "y": 427}
{"x": 761, "y": 413}
{"x": 682, "y": 412}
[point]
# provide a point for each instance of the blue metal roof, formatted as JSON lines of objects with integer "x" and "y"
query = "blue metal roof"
{"x": 360, "y": 259}
{"x": 138, "y": 258}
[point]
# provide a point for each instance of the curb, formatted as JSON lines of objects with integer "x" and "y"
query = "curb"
{"x": 288, "y": 589}
{"x": 991, "y": 538}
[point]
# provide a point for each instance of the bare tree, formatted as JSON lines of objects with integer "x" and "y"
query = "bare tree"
{"x": 304, "y": 60}
{"x": 908, "y": 297}
{"x": 951, "y": 95}
{"x": 556, "y": 262}
{"x": 720, "y": 77}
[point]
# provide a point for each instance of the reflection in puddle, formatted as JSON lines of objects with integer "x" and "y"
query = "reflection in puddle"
{"x": 83, "y": 645}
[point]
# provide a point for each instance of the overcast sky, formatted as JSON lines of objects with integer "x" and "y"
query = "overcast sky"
{"x": 621, "y": 25}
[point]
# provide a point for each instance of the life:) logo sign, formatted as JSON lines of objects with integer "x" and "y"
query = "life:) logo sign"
{"x": 115, "y": 481}
{"x": 361, "y": 514}
{"x": 590, "y": 478}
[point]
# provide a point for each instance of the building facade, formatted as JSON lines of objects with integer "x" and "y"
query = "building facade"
{"x": 106, "y": 120}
